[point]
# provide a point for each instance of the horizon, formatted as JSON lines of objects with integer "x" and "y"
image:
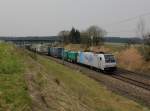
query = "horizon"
{"x": 38, "y": 18}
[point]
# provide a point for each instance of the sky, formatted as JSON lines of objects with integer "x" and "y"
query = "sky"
{"x": 48, "y": 17}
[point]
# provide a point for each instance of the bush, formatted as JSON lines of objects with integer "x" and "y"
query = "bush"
{"x": 146, "y": 53}
{"x": 130, "y": 59}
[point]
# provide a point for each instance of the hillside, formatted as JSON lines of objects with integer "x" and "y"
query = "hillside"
{"x": 29, "y": 82}
{"x": 13, "y": 89}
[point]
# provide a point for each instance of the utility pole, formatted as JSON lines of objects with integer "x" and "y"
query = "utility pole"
{"x": 63, "y": 48}
{"x": 91, "y": 43}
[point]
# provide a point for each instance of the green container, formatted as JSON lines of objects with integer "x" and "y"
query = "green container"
{"x": 66, "y": 54}
{"x": 72, "y": 56}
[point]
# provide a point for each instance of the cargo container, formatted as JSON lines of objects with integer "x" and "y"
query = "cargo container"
{"x": 56, "y": 52}
{"x": 66, "y": 55}
{"x": 50, "y": 51}
{"x": 72, "y": 56}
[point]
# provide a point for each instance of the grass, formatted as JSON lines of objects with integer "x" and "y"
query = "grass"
{"x": 115, "y": 47}
{"x": 79, "y": 92}
{"x": 13, "y": 90}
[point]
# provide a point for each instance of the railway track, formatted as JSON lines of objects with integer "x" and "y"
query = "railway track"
{"x": 132, "y": 81}
{"x": 120, "y": 70}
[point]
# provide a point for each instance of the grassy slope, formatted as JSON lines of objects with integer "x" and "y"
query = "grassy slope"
{"x": 13, "y": 90}
{"x": 69, "y": 90}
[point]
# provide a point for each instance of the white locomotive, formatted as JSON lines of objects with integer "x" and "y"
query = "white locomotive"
{"x": 100, "y": 61}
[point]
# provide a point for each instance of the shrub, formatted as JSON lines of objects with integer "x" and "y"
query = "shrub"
{"x": 130, "y": 59}
{"x": 146, "y": 53}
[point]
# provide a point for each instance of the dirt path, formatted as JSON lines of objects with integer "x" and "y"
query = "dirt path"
{"x": 38, "y": 101}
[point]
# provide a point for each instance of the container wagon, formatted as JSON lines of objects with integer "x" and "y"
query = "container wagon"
{"x": 72, "y": 56}
{"x": 66, "y": 55}
{"x": 56, "y": 52}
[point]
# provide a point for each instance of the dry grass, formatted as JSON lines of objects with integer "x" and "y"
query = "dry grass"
{"x": 146, "y": 67}
{"x": 130, "y": 59}
{"x": 75, "y": 47}
{"x": 78, "y": 47}
{"x": 101, "y": 49}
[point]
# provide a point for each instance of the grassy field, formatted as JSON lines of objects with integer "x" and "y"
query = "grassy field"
{"x": 115, "y": 47}
{"x": 13, "y": 90}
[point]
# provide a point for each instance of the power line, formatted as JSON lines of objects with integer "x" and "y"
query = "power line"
{"x": 129, "y": 19}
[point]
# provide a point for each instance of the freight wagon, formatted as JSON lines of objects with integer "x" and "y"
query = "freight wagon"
{"x": 72, "y": 56}
{"x": 56, "y": 52}
{"x": 66, "y": 55}
{"x": 40, "y": 48}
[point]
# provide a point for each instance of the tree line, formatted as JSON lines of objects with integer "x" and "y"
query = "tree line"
{"x": 91, "y": 36}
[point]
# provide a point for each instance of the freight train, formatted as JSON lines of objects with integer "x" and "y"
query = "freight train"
{"x": 101, "y": 61}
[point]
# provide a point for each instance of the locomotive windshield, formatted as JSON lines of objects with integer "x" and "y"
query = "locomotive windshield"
{"x": 109, "y": 58}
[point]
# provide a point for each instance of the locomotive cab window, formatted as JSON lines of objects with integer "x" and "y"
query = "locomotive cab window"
{"x": 109, "y": 59}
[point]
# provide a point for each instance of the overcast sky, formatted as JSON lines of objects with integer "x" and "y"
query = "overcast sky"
{"x": 48, "y": 17}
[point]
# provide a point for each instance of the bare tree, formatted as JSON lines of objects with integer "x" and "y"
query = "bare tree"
{"x": 85, "y": 39}
{"x": 64, "y": 35}
{"x": 141, "y": 31}
{"x": 141, "y": 28}
{"x": 97, "y": 34}
{"x": 147, "y": 47}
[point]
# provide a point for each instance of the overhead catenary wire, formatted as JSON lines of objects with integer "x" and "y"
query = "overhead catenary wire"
{"x": 125, "y": 21}
{"x": 128, "y": 19}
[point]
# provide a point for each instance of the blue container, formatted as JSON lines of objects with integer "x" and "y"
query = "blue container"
{"x": 56, "y": 52}
{"x": 49, "y": 51}
{"x": 60, "y": 52}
